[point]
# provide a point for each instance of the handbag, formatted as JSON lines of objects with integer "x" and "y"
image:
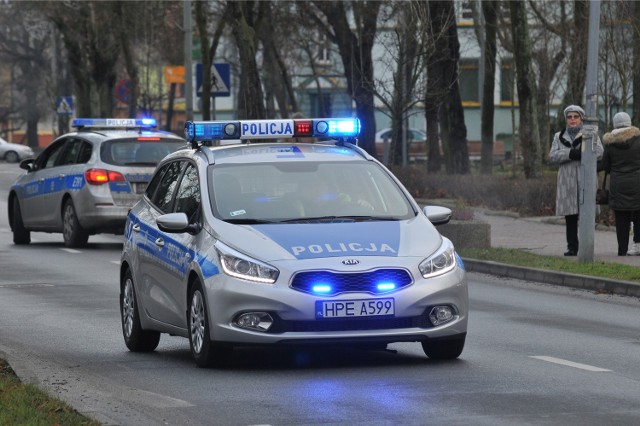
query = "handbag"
{"x": 602, "y": 194}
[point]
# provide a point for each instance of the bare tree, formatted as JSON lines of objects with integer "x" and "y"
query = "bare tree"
{"x": 355, "y": 47}
{"x": 529, "y": 135}
{"x": 208, "y": 50}
{"x": 443, "y": 89}
{"x": 24, "y": 38}
{"x": 489, "y": 13}
{"x": 244, "y": 17}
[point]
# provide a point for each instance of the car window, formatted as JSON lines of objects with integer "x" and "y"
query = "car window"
{"x": 188, "y": 195}
{"x": 70, "y": 152}
{"x": 50, "y": 155}
{"x": 164, "y": 193}
{"x": 138, "y": 151}
{"x": 85, "y": 152}
{"x": 155, "y": 181}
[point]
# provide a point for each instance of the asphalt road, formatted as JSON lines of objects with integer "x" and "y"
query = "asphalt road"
{"x": 535, "y": 354}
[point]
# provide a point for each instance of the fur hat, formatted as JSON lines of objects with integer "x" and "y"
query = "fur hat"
{"x": 621, "y": 119}
{"x": 574, "y": 108}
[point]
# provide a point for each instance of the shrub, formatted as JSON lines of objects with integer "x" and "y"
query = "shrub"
{"x": 528, "y": 197}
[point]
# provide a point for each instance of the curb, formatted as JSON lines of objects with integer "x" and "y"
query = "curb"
{"x": 585, "y": 282}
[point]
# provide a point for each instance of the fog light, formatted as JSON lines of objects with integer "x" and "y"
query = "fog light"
{"x": 441, "y": 314}
{"x": 259, "y": 321}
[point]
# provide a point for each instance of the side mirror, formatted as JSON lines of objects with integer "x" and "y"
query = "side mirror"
{"x": 438, "y": 215}
{"x": 176, "y": 223}
{"x": 28, "y": 164}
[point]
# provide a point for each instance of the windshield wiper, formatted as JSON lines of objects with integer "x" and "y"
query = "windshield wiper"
{"x": 249, "y": 221}
{"x": 333, "y": 219}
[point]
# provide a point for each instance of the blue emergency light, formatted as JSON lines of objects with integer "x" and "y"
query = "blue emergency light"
{"x": 105, "y": 123}
{"x": 335, "y": 128}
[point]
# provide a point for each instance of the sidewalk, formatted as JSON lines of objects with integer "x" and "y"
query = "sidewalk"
{"x": 546, "y": 236}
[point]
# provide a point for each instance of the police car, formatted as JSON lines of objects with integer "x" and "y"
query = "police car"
{"x": 286, "y": 244}
{"x": 86, "y": 181}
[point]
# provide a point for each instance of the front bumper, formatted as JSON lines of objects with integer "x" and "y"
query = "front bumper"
{"x": 294, "y": 320}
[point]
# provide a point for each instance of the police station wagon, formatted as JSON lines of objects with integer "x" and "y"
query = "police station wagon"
{"x": 286, "y": 243}
{"x": 86, "y": 181}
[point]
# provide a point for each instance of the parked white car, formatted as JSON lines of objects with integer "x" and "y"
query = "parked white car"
{"x": 14, "y": 152}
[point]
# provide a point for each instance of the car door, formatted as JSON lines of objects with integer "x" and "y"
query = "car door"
{"x": 66, "y": 176}
{"x": 41, "y": 186}
{"x": 160, "y": 267}
{"x": 179, "y": 249}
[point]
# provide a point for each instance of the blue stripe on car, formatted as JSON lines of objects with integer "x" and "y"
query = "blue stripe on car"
{"x": 172, "y": 254}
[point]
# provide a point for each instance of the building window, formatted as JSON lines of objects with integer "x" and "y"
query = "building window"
{"x": 469, "y": 81}
{"x": 506, "y": 81}
{"x": 323, "y": 56}
{"x": 464, "y": 12}
{"x": 320, "y": 104}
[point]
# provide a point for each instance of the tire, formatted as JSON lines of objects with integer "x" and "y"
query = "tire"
{"x": 11, "y": 157}
{"x": 136, "y": 339}
{"x": 205, "y": 353}
{"x": 21, "y": 235}
{"x": 72, "y": 232}
{"x": 444, "y": 349}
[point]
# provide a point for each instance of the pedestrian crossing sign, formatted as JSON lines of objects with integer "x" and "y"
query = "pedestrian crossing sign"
{"x": 64, "y": 105}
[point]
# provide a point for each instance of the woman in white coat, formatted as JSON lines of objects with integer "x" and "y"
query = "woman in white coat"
{"x": 566, "y": 151}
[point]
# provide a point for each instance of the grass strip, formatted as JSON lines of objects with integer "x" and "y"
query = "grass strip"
{"x": 553, "y": 263}
{"x": 27, "y": 405}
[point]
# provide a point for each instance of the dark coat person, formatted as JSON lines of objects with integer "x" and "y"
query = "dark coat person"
{"x": 622, "y": 161}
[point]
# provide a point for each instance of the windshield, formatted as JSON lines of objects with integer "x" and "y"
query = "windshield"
{"x": 138, "y": 151}
{"x": 306, "y": 191}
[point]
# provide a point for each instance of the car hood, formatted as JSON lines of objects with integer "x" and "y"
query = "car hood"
{"x": 416, "y": 237}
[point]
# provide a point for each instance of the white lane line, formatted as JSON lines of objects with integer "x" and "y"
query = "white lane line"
{"x": 570, "y": 363}
{"x": 115, "y": 262}
{"x": 68, "y": 250}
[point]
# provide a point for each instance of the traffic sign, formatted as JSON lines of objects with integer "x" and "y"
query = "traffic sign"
{"x": 174, "y": 74}
{"x": 64, "y": 105}
{"x": 123, "y": 91}
{"x": 220, "y": 80}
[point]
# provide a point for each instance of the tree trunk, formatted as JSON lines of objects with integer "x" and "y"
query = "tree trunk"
{"x": 578, "y": 57}
{"x": 529, "y": 135}
{"x": 488, "y": 86}
{"x": 451, "y": 112}
{"x": 251, "y": 96}
{"x": 356, "y": 53}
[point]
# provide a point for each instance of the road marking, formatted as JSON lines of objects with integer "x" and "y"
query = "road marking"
{"x": 115, "y": 262}
{"x": 68, "y": 250}
{"x": 570, "y": 363}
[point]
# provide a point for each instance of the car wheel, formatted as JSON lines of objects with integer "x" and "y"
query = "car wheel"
{"x": 11, "y": 157}
{"x": 204, "y": 351}
{"x": 72, "y": 232}
{"x": 20, "y": 234}
{"x": 136, "y": 339}
{"x": 443, "y": 349}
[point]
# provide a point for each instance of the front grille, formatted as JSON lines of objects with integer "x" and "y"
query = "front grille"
{"x": 282, "y": 326}
{"x": 341, "y": 282}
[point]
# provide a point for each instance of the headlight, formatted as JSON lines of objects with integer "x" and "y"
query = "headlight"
{"x": 442, "y": 261}
{"x": 238, "y": 265}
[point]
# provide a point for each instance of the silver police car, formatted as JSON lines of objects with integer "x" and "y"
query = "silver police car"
{"x": 86, "y": 181}
{"x": 286, "y": 243}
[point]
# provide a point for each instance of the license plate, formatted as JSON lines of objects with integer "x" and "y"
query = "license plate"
{"x": 355, "y": 308}
{"x": 139, "y": 187}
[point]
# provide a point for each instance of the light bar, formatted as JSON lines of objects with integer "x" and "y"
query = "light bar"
{"x": 272, "y": 129}
{"x": 105, "y": 123}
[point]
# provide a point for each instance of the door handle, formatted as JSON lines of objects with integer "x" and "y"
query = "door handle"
{"x": 136, "y": 227}
{"x": 159, "y": 242}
